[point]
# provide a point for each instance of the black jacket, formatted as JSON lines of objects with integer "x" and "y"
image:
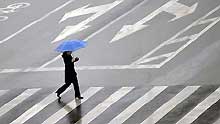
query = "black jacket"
{"x": 70, "y": 73}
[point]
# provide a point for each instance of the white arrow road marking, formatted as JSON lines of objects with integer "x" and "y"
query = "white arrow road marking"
{"x": 200, "y": 108}
{"x": 35, "y": 22}
{"x": 98, "y": 10}
{"x": 100, "y": 108}
{"x": 129, "y": 111}
{"x": 182, "y": 39}
{"x": 172, "y": 40}
{"x": 118, "y": 18}
{"x": 157, "y": 57}
{"x": 36, "y": 108}
{"x": 148, "y": 57}
{"x": 145, "y": 58}
{"x": 71, "y": 105}
{"x": 17, "y": 100}
{"x": 178, "y": 9}
{"x": 165, "y": 108}
{"x": 98, "y": 31}
{"x": 176, "y": 39}
{"x": 191, "y": 41}
{"x": 207, "y": 21}
{"x": 172, "y": 7}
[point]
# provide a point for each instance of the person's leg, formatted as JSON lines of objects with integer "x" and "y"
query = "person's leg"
{"x": 62, "y": 89}
{"x": 76, "y": 88}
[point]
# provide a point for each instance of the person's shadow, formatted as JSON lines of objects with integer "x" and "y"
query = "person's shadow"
{"x": 75, "y": 114}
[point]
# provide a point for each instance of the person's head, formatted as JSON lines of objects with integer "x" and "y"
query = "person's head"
{"x": 67, "y": 52}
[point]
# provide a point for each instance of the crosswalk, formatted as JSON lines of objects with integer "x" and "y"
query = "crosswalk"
{"x": 112, "y": 105}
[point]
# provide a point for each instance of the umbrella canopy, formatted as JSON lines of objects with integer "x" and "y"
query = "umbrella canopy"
{"x": 71, "y": 45}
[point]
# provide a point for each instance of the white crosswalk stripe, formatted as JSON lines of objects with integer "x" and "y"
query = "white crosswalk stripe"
{"x": 104, "y": 105}
{"x": 7, "y": 107}
{"x": 129, "y": 111}
{"x": 163, "y": 110}
{"x": 200, "y": 108}
{"x": 70, "y": 106}
{"x": 115, "y": 98}
{"x": 36, "y": 108}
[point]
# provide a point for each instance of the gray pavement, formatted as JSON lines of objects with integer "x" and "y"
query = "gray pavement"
{"x": 141, "y": 43}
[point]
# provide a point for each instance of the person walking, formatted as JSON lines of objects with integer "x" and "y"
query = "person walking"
{"x": 70, "y": 75}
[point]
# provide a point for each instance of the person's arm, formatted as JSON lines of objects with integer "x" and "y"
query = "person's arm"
{"x": 75, "y": 60}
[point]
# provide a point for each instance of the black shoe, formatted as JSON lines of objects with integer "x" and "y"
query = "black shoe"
{"x": 79, "y": 97}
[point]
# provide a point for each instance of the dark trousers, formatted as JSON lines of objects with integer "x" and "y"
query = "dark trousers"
{"x": 67, "y": 84}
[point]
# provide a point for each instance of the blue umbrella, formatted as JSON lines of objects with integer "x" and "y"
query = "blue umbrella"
{"x": 71, "y": 45}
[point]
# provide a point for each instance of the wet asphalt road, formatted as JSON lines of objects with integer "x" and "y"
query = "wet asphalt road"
{"x": 196, "y": 64}
{"x": 131, "y": 43}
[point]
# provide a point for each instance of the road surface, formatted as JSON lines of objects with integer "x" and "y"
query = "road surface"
{"x": 161, "y": 56}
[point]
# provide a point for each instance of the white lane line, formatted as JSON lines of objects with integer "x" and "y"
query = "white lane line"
{"x": 17, "y": 100}
{"x": 110, "y": 67}
{"x": 100, "y": 108}
{"x": 107, "y": 67}
{"x": 70, "y": 106}
{"x": 2, "y": 92}
{"x": 200, "y": 108}
{"x": 98, "y": 31}
{"x": 167, "y": 107}
{"x": 36, "y": 108}
{"x": 130, "y": 110}
{"x": 36, "y": 21}
{"x": 10, "y": 70}
{"x": 48, "y": 69}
